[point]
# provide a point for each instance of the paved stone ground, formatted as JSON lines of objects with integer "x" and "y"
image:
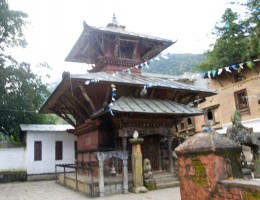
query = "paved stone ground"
{"x": 50, "y": 190}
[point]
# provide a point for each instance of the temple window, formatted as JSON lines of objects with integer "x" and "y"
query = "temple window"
{"x": 189, "y": 120}
{"x": 126, "y": 49}
{"x": 210, "y": 117}
{"x": 241, "y": 100}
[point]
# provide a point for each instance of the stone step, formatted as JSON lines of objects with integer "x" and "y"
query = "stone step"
{"x": 165, "y": 176}
{"x": 166, "y": 180}
{"x": 168, "y": 185}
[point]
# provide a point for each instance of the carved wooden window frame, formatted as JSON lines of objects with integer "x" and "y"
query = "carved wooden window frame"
{"x": 241, "y": 101}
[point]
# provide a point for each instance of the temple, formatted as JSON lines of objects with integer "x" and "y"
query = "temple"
{"x": 108, "y": 104}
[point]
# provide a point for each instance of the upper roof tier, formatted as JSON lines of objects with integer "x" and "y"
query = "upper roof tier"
{"x": 95, "y": 45}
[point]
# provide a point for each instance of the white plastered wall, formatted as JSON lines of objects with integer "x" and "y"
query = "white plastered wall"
{"x": 13, "y": 159}
{"x": 48, "y": 162}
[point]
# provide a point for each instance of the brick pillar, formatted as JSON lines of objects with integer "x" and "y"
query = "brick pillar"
{"x": 205, "y": 159}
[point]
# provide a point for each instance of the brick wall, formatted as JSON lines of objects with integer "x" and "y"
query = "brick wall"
{"x": 237, "y": 189}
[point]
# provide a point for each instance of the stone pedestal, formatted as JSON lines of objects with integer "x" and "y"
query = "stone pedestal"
{"x": 137, "y": 168}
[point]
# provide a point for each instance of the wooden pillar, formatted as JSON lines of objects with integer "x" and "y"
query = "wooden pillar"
{"x": 124, "y": 143}
{"x": 159, "y": 155}
{"x": 170, "y": 167}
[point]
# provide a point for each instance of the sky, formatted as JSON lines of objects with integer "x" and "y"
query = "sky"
{"x": 55, "y": 25}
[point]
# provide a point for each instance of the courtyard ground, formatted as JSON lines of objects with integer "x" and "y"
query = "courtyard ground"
{"x": 50, "y": 190}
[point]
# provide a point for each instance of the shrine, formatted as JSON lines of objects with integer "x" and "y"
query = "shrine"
{"x": 108, "y": 104}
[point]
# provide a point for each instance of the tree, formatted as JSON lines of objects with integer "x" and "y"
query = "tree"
{"x": 237, "y": 39}
{"x": 21, "y": 91}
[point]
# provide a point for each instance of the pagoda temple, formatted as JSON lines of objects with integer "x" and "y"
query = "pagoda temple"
{"x": 108, "y": 104}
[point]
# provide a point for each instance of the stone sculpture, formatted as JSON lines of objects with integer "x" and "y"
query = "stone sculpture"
{"x": 149, "y": 181}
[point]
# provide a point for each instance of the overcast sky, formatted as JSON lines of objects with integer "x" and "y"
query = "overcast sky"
{"x": 55, "y": 25}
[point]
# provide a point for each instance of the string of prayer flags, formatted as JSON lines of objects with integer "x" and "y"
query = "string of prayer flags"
{"x": 226, "y": 26}
{"x": 209, "y": 74}
{"x": 227, "y": 69}
{"x": 164, "y": 56}
{"x": 203, "y": 74}
{"x": 234, "y": 67}
{"x": 237, "y": 67}
{"x": 250, "y": 64}
{"x": 146, "y": 65}
{"x": 214, "y": 71}
{"x": 220, "y": 70}
{"x": 112, "y": 99}
{"x": 129, "y": 71}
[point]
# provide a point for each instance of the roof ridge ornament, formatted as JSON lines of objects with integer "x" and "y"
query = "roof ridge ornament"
{"x": 115, "y": 24}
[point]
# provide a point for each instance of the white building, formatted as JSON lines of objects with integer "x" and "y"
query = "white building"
{"x": 46, "y": 146}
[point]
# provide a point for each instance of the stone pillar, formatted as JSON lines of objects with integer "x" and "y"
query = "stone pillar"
{"x": 101, "y": 183}
{"x": 125, "y": 176}
{"x": 203, "y": 161}
{"x": 170, "y": 167}
{"x": 137, "y": 166}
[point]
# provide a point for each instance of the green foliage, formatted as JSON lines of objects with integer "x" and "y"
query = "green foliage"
{"x": 22, "y": 91}
{"x": 237, "y": 39}
{"x": 11, "y": 25}
{"x": 176, "y": 64}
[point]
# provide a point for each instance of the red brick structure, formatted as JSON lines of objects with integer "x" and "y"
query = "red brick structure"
{"x": 203, "y": 160}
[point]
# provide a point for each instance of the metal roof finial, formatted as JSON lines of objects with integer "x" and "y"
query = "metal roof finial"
{"x": 114, "y": 20}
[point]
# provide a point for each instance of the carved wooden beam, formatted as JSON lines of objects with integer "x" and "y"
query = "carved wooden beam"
{"x": 176, "y": 96}
{"x": 71, "y": 111}
{"x": 190, "y": 97}
{"x": 101, "y": 44}
{"x": 85, "y": 95}
{"x": 78, "y": 114}
{"x": 64, "y": 116}
{"x": 117, "y": 46}
{"x": 81, "y": 105}
{"x": 134, "y": 57}
{"x": 108, "y": 91}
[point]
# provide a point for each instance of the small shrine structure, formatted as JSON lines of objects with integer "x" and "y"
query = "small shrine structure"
{"x": 106, "y": 105}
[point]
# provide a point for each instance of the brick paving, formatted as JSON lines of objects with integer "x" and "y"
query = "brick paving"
{"x": 50, "y": 190}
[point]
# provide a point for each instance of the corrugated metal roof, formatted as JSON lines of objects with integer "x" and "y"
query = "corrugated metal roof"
{"x": 45, "y": 127}
{"x": 130, "y": 79}
{"x": 152, "y": 106}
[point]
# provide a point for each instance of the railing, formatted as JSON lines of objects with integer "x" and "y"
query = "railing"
{"x": 76, "y": 166}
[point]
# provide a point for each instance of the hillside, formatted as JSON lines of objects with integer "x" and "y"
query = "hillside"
{"x": 174, "y": 64}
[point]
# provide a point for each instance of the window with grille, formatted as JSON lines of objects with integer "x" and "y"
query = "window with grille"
{"x": 37, "y": 150}
{"x": 241, "y": 100}
{"x": 58, "y": 150}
